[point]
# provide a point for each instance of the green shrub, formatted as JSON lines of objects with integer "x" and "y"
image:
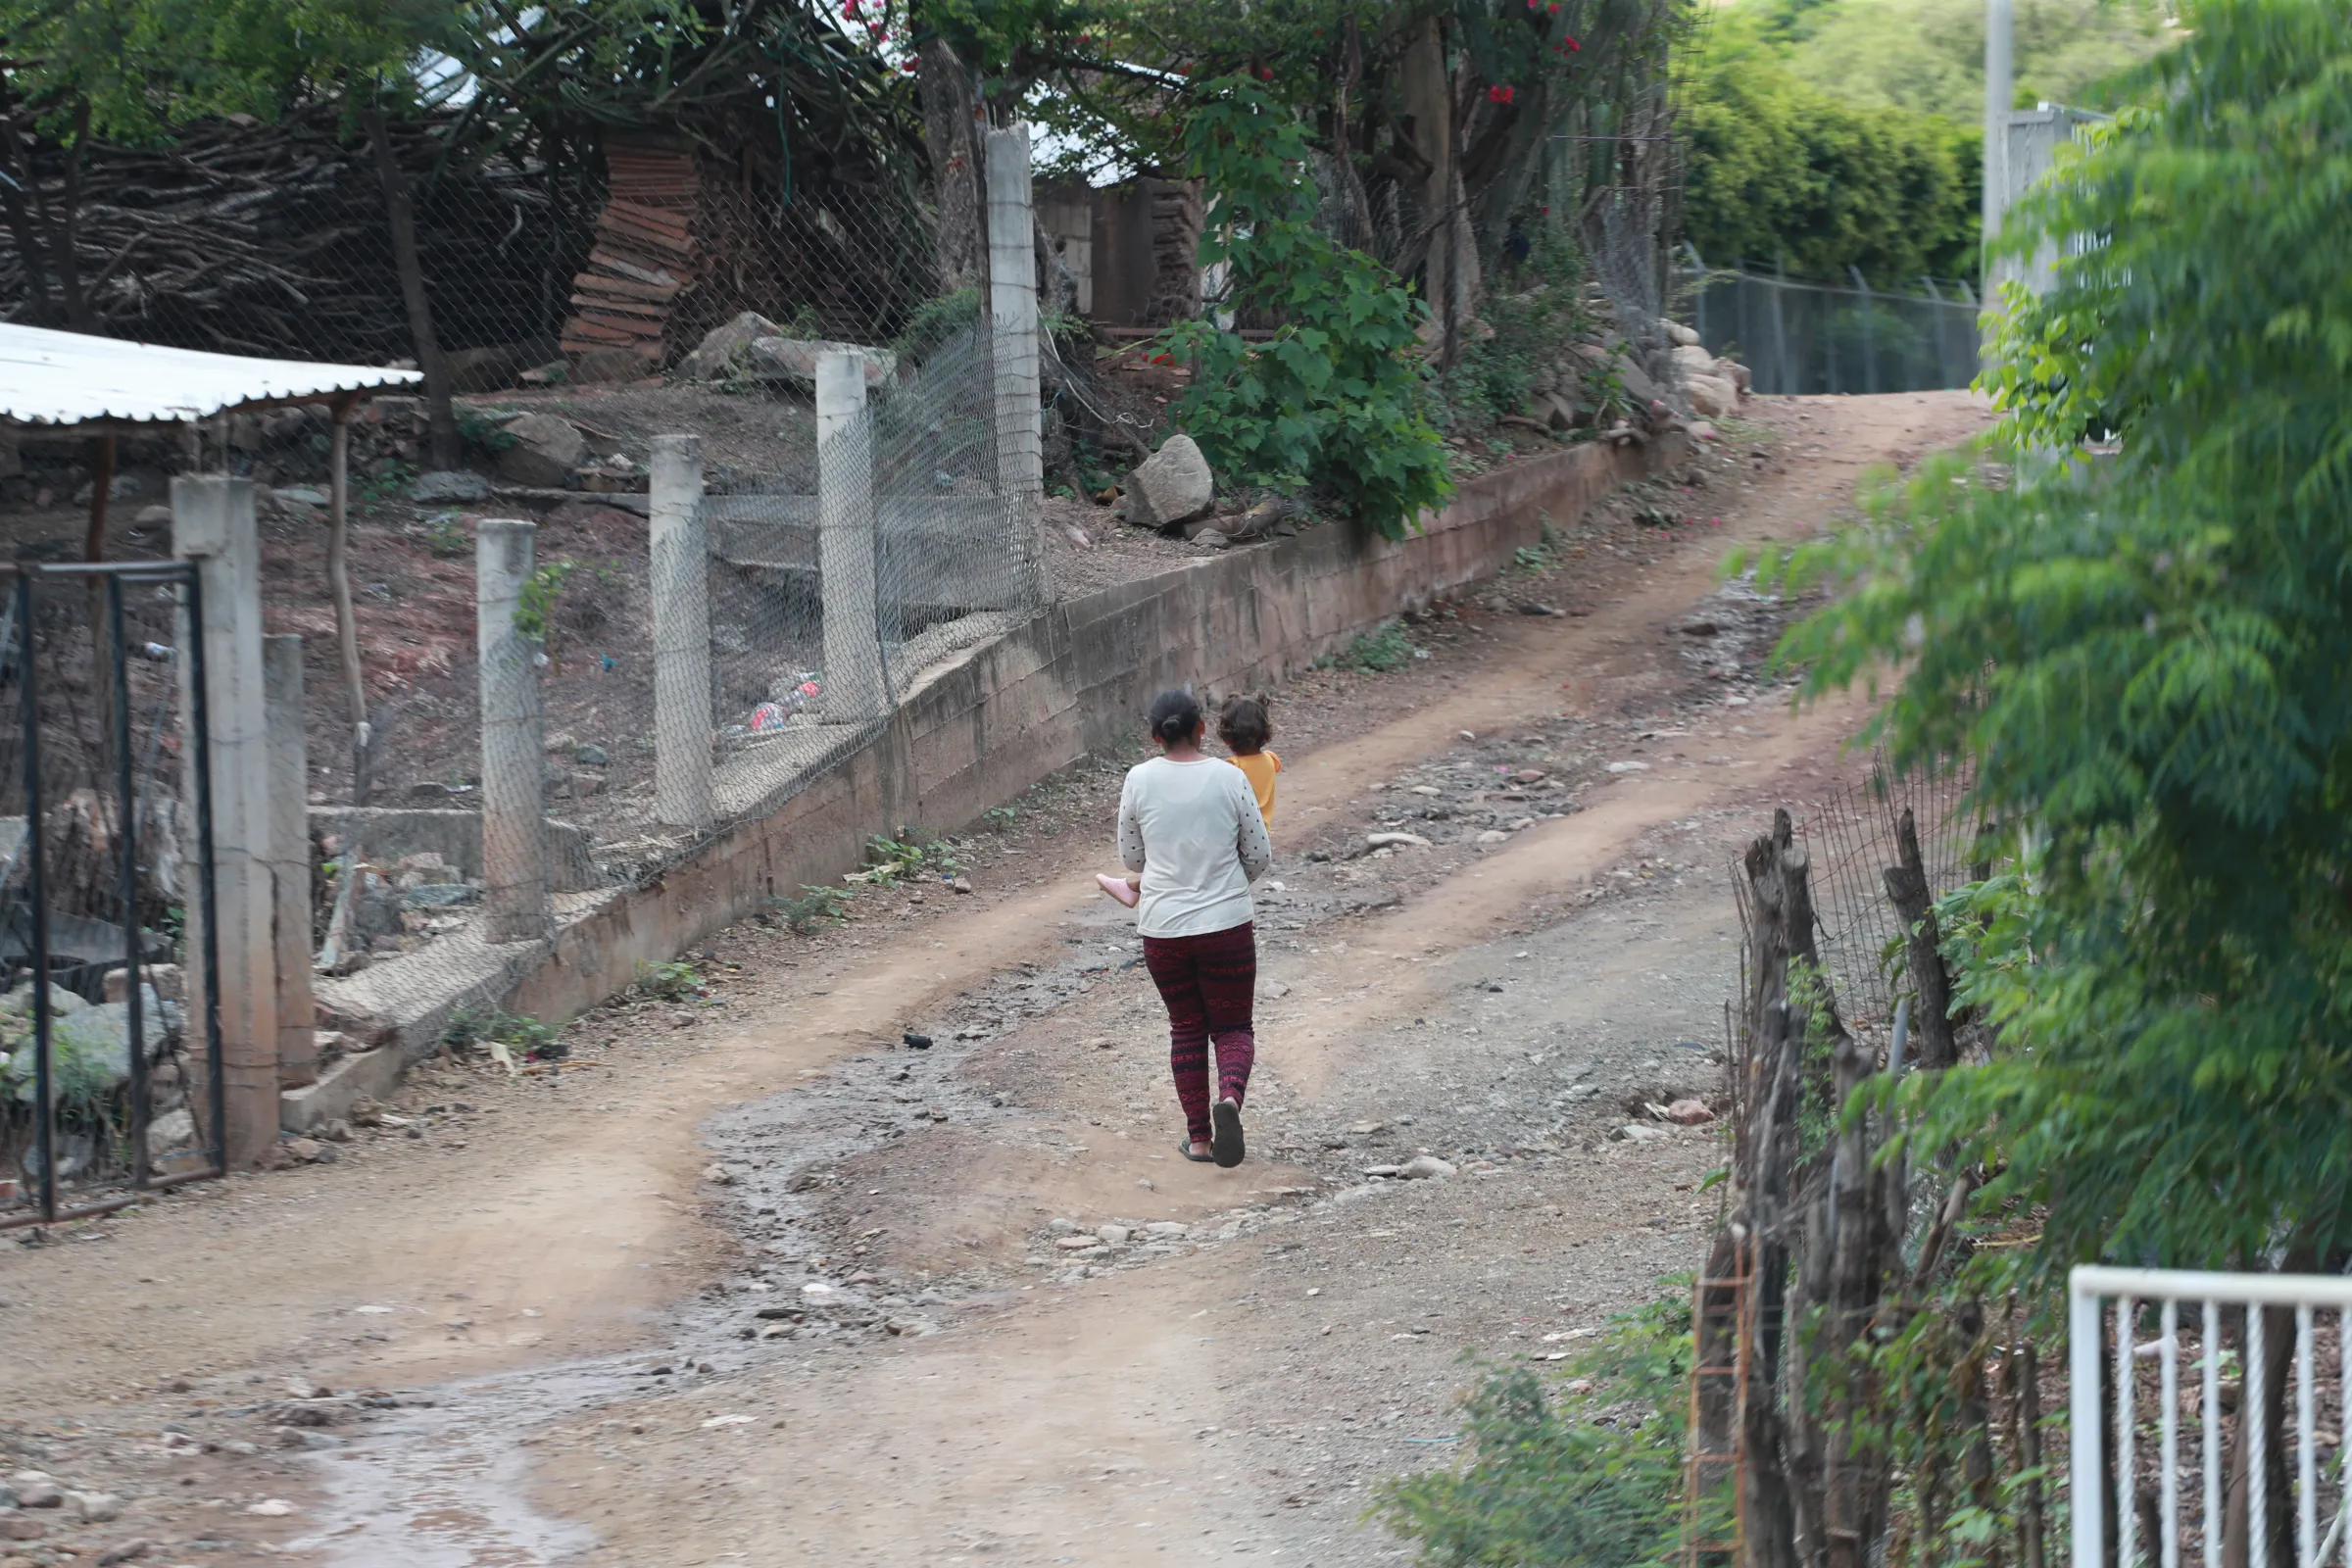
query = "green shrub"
{"x": 1584, "y": 1480}
{"x": 668, "y": 982}
{"x": 1383, "y": 649}
{"x": 1337, "y": 400}
{"x": 815, "y": 907}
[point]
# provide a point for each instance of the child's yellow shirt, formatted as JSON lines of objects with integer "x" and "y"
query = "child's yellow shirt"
{"x": 1261, "y": 769}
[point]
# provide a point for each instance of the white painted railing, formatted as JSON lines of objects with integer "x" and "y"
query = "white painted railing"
{"x": 2124, "y": 1291}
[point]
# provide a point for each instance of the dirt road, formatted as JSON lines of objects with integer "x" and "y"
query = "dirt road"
{"x": 753, "y": 1282}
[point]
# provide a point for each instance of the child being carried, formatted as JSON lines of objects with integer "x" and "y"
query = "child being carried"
{"x": 1245, "y": 728}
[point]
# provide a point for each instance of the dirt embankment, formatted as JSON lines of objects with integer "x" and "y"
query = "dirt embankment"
{"x": 753, "y": 1281}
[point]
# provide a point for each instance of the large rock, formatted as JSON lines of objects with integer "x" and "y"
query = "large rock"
{"x": 1679, "y": 335}
{"x": 1172, "y": 486}
{"x": 718, "y": 347}
{"x": 446, "y": 486}
{"x": 546, "y": 450}
{"x": 794, "y": 359}
{"x": 89, "y": 1050}
{"x": 1711, "y": 396}
{"x": 1692, "y": 360}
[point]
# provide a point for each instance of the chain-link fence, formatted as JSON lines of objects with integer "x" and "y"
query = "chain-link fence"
{"x": 760, "y": 555}
{"x": 1807, "y": 337}
{"x": 104, "y": 1083}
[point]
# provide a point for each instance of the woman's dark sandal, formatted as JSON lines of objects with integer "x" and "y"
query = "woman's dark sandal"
{"x": 1184, "y": 1146}
{"x": 1225, "y": 1142}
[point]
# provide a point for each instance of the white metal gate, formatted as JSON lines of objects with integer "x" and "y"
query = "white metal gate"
{"x": 2104, "y": 1300}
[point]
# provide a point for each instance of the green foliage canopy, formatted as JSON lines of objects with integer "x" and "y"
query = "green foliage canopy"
{"x": 1928, "y": 56}
{"x": 2147, "y": 657}
{"x": 1780, "y": 170}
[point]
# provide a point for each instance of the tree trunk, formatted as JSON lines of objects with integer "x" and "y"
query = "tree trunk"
{"x": 16, "y": 197}
{"x": 400, "y": 215}
{"x": 347, "y": 629}
{"x": 2278, "y": 1356}
{"x": 952, "y": 127}
{"x": 66, "y": 233}
{"x": 1429, "y": 122}
{"x": 1907, "y": 887}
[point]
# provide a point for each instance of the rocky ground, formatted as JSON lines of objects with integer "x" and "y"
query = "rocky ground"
{"x": 753, "y": 1277}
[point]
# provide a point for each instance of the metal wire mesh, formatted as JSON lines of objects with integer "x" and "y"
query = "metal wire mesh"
{"x": 1800, "y": 337}
{"x": 93, "y": 843}
{"x": 1849, "y": 839}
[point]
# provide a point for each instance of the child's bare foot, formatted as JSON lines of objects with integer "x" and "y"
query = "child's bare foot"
{"x": 1119, "y": 888}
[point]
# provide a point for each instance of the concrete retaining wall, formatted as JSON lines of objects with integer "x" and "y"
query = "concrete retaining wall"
{"x": 1002, "y": 716}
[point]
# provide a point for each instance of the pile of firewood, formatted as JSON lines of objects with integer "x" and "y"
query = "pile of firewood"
{"x": 272, "y": 239}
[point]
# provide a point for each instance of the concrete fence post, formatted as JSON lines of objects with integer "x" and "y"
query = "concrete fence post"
{"x": 1012, "y": 317}
{"x": 515, "y": 880}
{"x": 290, "y": 859}
{"x": 681, "y": 592}
{"x": 855, "y": 688}
{"x": 213, "y": 526}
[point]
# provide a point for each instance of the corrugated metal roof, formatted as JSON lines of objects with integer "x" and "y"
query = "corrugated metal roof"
{"x": 49, "y": 378}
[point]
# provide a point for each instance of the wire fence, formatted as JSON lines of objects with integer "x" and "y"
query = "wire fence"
{"x": 1852, "y": 839}
{"x": 1808, "y": 337}
{"x": 101, "y": 1079}
{"x": 754, "y": 567}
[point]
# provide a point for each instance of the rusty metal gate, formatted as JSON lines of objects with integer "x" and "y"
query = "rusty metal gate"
{"x": 107, "y": 1087}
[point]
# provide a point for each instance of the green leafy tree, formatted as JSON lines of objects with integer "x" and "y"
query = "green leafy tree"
{"x": 1928, "y": 56}
{"x": 1782, "y": 171}
{"x": 1336, "y": 401}
{"x": 2147, "y": 658}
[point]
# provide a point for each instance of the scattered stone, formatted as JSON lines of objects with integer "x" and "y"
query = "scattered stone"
{"x": 915, "y": 1042}
{"x": 1166, "y": 1229}
{"x": 1384, "y": 1170}
{"x": 1629, "y": 767}
{"x": 1098, "y": 1043}
{"x": 1635, "y": 1132}
{"x": 174, "y": 1129}
{"x": 1427, "y": 789}
{"x": 270, "y": 1508}
{"x": 1365, "y": 1129}
{"x": 1395, "y": 840}
{"x": 591, "y": 757}
{"x": 1078, "y": 1243}
{"x": 546, "y": 450}
{"x": 306, "y": 1149}
{"x": 1689, "y": 1113}
{"x": 1492, "y": 835}
{"x": 793, "y": 359}
{"x": 125, "y": 1551}
{"x": 1423, "y": 1167}
{"x": 447, "y": 487}
{"x": 718, "y": 1176}
{"x": 711, "y": 356}
{"x": 912, "y": 1328}
{"x": 39, "y": 1491}
{"x": 959, "y": 884}
{"x": 17, "y": 1527}
{"x": 1171, "y": 487}
{"x": 1114, "y": 1235}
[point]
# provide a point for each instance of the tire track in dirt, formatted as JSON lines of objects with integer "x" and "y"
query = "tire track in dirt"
{"x": 587, "y": 1221}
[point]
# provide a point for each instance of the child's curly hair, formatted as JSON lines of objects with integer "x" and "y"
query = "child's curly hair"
{"x": 1243, "y": 724}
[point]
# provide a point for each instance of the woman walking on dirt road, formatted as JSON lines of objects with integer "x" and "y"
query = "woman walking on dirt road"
{"x": 1189, "y": 823}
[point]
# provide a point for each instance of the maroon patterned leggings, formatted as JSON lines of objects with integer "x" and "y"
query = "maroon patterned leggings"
{"x": 1208, "y": 983}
